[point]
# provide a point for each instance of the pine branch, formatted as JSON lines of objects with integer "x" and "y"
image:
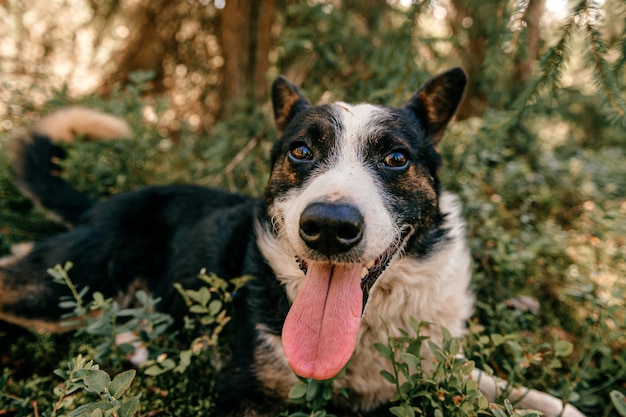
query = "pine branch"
{"x": 605, "y": 79}
{"x": 494, "y": 57}
{"x": 621, "y": 61}
{"x": 519, "y": 23}
{"x": 551, "y": 70}
{"x": 584, "y": 15}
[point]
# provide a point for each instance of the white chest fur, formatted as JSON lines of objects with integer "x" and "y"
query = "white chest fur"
{"x": 410, "y": 289}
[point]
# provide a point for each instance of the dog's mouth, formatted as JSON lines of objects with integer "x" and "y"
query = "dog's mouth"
{"x": 370, "y": 271}
{"x": 320, "y": 331}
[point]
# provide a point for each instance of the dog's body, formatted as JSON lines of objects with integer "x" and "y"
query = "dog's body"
{"x": 352, "y": 240}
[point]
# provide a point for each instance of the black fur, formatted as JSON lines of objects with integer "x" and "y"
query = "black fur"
{"x": 37, "y": 176}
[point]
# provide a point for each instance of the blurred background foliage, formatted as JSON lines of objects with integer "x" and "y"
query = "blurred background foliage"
{"x": 536, "y": 154}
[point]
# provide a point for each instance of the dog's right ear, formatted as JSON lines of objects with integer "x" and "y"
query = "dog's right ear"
{"x": 287, "y": 102}
{"x": 436, "y": 102}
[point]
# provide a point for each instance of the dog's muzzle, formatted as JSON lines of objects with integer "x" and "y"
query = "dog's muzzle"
{"x": 331, "y": 228}
{"x": 320, "y": 331}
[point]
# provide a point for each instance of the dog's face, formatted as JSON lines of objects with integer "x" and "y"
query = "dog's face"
{"x": 350, "y": 184}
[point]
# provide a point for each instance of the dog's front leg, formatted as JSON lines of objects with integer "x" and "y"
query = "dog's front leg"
{"x": 524, "y": 397}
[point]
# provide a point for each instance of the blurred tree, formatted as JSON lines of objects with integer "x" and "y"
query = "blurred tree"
{"x": 505, "y": 48}
{"x": 243, "y": 31}
{"x": 152, "y": 37}
{"x": 245, "y": 34}
{"x": 487, "y": 28}
{"x": 206, "y": 58}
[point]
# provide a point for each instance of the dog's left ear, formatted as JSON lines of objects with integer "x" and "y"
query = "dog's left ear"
{"x": 287, "y": 102}
{"x": 436, "y": 102}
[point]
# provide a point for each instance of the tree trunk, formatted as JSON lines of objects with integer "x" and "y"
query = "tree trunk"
{"x": 153, "y": 34}
{"x": 472, "y": 54}
{"x": 245, "y": 33}
{"x": 532, "y": 18}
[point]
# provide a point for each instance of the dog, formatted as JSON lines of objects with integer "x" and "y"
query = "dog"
{"x": 352, "y": 239}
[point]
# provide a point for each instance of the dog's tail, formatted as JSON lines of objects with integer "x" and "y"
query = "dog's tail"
{"x": 36, "y": 159}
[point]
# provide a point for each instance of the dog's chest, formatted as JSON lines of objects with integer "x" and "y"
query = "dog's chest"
{"x": 410, "y": 290}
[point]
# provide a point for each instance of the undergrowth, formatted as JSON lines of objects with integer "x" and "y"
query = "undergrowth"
{"x": 546, "y": 225}
{"x": 438, "y": 386}
{"x": 87, "y": 390}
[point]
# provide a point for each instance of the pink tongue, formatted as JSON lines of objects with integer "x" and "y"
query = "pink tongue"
{"x": 319, "y": 334}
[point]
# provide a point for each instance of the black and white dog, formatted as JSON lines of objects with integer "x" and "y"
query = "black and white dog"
{"x": 352, "y": 239}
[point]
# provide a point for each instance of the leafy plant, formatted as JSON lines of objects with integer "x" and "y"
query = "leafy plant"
{"x": 148, "y": 324}
{"x": 209, "y": 307}
{"x": 507, "y": 410}
{"x": 82, "y": 374}
{"x": 314, "y": 395}
{"x": 444, "y": 390}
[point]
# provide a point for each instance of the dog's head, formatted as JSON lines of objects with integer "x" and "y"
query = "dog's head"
{"x": 349, "y": 186}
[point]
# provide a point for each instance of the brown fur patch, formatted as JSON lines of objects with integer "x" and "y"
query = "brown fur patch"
{"x": 10, "y": 295}
{"x": 271, "y": 366}
{"x": 282, "y": 114}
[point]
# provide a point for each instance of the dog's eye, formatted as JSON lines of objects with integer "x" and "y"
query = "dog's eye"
{"x": 301, "y": 152}
{"x": 395, "y": 159}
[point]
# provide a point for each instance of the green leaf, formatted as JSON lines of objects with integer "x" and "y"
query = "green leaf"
{"x": 455, "y": 346}
{"x": 129, "y": 407}
{"x": 185, "y": 360}
{"x": 497, "y": 339}
{"x": 193, "y": 295}
{"x": 198, "y": 309}
{"x": 619, "y": 401}
{"x": 411, "y": 360}
{"x": 563, "y": 348}
{"x": 402, "y": 411}
{"x": 437, "y": 352}
{"x": 96, "y": 381}
{"x": 61, "y": 373}
{"x": 483, "y": 403}
{"x": 204, "y": 296}
{"x": 215, "y": 307}
{"x": 143, "y": 297}
{"x": 467, "y": 368}
{"x": 67, "y": 304}
{"x": 495, "y": 410}
{"x": 168, "y": 364}
{"x": 298, "y": 391}
{"x": 388, "y": 376}
{"x": 327, "y": 392}
{"x": 312, "y": 389}
{"x": 471, "y": 384}
{"x": 385, "y": 351}
{"x": 508, "y": 406}
{"x": 555, "y": 364}
{"x": 89, "y": 408}
{"x": 154, "y": 370}
{"x": 239, "y": 282}
{"x": 121, "y": 383}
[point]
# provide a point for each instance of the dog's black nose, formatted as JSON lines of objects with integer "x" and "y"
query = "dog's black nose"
{"x": 331, "y": 228}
